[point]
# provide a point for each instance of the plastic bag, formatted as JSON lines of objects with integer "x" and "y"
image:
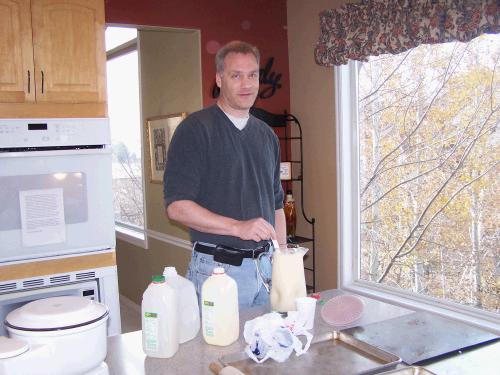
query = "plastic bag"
{"x": 271, "y": 336}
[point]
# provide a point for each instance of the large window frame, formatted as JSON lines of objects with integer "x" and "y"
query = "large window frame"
{"x": 126, "y": 231}
{"x": 347, "y": 145}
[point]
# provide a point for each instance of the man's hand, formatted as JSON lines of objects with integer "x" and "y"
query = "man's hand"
{"x": 199, "y": 218}
{"x": 255, "y": 229}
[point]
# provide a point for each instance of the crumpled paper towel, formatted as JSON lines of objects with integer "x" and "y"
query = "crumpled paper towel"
{"x": 271, "y": 336}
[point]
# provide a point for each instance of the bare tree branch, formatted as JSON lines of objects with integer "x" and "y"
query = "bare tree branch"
{"x": 447, "y": 76}
{"x": 388, "y": 77}
{"x": 444, "y": 206}
{"x": 434, "y": 197}
{"x": 452, "y": 151}
{"x": 492, "y": 80}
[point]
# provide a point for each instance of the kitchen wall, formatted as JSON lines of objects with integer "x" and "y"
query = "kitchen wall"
{"x": 168, "y": 85}
{"x": 312, "y": 101}
{"x": 260, "y": 22}
{"x": 290, "y": 32}
{"x": 181, "y": 79}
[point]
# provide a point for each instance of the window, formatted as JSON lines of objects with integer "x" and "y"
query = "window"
{"x": 419, "y": 151}
{"x": 124, "y": 114}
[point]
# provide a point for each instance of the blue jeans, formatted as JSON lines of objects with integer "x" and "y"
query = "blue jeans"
{"x": 251, "y": 289}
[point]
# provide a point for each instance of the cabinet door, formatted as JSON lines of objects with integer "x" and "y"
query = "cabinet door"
{"x": 68, "y": 39}
{"x": 17, "y": 84}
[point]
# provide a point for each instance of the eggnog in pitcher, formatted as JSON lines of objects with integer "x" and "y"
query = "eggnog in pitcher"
{"x": 288, "y": 279}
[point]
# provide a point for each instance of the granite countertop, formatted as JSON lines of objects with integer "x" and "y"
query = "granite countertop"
{"x": 125, "y": 355}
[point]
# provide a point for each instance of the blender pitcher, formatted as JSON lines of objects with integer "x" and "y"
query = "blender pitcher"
{"x": 288, "y": 279}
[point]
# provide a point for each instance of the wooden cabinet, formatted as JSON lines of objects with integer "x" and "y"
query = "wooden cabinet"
{"x": 53, "y": 58}
{"x": 16, "y": 52}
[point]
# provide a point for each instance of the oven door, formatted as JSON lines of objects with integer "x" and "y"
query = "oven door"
{"x": 55, "y": 203}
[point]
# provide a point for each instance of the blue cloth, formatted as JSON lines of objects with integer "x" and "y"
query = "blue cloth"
{"x": 251, "y": 290}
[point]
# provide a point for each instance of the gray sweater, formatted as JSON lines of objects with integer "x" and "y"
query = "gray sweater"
{"x": 231, "y": 172}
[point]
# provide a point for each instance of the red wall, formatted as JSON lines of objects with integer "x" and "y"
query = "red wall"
{"x": 259, "y": 22}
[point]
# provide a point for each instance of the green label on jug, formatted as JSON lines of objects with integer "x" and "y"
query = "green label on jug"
{"x": 150, "y": 315}
{"x": 208, "y": 303}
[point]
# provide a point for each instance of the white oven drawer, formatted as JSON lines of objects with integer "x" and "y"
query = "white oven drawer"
{"x": 11, "y": 301}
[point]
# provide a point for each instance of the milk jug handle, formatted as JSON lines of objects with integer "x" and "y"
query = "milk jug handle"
{"x": 265, "y": 281}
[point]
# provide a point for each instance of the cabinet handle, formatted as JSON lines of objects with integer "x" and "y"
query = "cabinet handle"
{"x": 43, "y": 79}
{"x": 29, "y": 82}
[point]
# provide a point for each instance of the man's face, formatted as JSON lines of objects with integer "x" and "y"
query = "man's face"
{"x": 238, "y": 83}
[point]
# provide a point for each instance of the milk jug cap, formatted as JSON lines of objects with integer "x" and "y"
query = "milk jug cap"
{"x": 158, "y": 279}
{"x": 218, "y": 271}
{"x": 169, "y": 272}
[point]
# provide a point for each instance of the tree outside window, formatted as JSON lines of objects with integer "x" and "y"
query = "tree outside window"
{"x": 429, "y": 187}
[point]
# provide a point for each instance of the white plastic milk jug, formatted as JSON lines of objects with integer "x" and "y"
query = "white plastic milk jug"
{"x": 160, "y": 331}
{"x": 188, "y": 311}
{"x": 219, "y": 309}
{"x": 288, "y": 279}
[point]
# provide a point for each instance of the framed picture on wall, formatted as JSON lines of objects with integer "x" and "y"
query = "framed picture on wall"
{"x": 160, "y": 130}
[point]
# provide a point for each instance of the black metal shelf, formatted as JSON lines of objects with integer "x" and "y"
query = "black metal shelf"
{"x": 297, "y": 240}
{"x": 286, "y": 121}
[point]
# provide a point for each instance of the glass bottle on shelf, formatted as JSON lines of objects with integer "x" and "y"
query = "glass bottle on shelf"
{"x": 290, "y": 216}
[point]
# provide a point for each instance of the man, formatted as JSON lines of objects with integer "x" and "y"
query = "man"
{"x": 222, "y": 181}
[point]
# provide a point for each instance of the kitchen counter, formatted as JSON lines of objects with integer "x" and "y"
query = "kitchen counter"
{"x": 125, "y": 355}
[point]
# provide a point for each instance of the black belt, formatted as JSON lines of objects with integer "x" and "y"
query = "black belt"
{"x": 228, "y": 254}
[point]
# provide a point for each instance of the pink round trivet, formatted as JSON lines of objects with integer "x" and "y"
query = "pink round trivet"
{"x": 342, "y": 310}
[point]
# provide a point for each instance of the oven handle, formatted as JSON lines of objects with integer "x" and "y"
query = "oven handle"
{"x": 29, "y": 154}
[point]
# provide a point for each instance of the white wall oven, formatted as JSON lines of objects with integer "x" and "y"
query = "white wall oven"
{"x": 55, "y": 188}
{"x": 56, "y": 201}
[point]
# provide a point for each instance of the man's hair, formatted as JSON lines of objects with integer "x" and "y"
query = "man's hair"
{"x": 236, "y": 46}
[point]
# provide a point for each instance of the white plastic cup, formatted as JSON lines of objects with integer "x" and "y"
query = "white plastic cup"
{"x": 306, "y": 309}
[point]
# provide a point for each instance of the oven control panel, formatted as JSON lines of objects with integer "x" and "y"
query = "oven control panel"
{"x": 21, "y": 133}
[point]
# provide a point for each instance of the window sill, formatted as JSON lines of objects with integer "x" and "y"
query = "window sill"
{"x": 133, "y": 236}
{"x": 469, "y": 315}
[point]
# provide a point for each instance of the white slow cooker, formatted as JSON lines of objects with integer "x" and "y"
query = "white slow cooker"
{"x": 55, "y": 336}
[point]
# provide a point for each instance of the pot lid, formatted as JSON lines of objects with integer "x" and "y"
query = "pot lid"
{"x": 56, "y": 313}
{"x": 12, "y": 347}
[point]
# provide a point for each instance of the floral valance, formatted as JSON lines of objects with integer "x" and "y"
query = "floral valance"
{"x": 374, "y": 27}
